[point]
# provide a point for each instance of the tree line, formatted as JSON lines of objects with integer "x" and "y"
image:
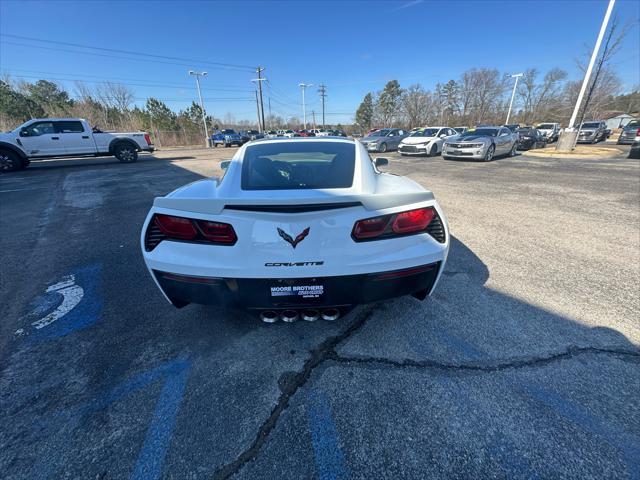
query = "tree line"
{"x": 482, "y": 96}
{"x": 111, "y": 106}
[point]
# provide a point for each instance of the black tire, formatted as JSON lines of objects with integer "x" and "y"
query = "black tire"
{"x": 433, "y": 152}
{"x": 226, "y": 145}
{"x": 382, "y": 148}
{"x": 489, "y": 155}
{"x": 125, "y": 152}
{"x": 10, "y": 162}
{"x": 445, "y": 157}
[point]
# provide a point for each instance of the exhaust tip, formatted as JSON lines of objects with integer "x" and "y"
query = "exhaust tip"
{"x": 289, "y": 316}
{"x": 269, "y": 316}
{"x": 310, "y": 315}
{"x": 330, "y": 314}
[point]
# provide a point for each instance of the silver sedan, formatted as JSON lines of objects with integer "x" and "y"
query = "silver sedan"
{"x": 481, "y": 144}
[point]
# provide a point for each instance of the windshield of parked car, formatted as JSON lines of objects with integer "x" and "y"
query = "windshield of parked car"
{"x": 633, "y": 124}
{"x": 298, "y": 165}
{"x": 590, "y": 125}
{"x": 380, "y": 133}
{"x": 425, "y": 132}
{"x": 485, "y": 132}
{"x": 228, "y": 131}
{"x": 526, "y": 131}
{"x": 546, "y": 126}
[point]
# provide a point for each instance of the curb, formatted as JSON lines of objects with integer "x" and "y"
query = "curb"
{"x": 590, "y": 153}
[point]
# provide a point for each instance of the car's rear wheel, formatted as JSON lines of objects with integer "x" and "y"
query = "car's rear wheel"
{"x": 489, "y": 155}
{"x": 125, "y": 152}
{"x": 383, "y": 147}
{"x": 10, "y": 162}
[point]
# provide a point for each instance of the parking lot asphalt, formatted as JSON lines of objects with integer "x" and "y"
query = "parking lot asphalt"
{"x": 523, "y": 364}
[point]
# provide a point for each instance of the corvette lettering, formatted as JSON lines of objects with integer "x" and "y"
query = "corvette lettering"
{"x": 294, "y": 264}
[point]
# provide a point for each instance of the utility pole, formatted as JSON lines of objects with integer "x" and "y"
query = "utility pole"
{"x": 204, "y": 115}
{"x": 303, "y": 86}
{"x": 513, "y": 94}
{"x": 313, "y": 112}
{"x": 259, "y": 80}
{"x": 258, "y": 110}
{"x": 322, "y": 89}
{"x": 270, "y": 116}
{"x": 567, "y": 141}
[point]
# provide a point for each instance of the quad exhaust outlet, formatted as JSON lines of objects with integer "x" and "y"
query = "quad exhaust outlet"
{"x": 289, "y": 316}
{"x": 307, "y": 314}
{"x": 330, "y": 314}
{"x": 269, "y": 316}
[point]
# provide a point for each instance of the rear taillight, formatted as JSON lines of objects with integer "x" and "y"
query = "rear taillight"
{"x": 217, "y": 232}
{"x": 147, "y": 138}
{"x": 169, "y": 227}
{"x": 420, "y": 220}
{"x": 176, "y": 227}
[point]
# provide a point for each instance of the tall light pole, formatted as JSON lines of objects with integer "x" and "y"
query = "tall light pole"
{"x": 567, "y": 141}
{"x": 513, "y": 93}
{"x": 204, "y": 115}
{"x": 303, "y": 86}
{"x": 259, "y": 81}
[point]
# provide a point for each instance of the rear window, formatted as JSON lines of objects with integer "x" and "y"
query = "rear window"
{"x": 298, "y": 165}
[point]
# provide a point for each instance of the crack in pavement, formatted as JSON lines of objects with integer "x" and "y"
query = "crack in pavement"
{"x": 290, "y": 383}
{"x": 515, "y": 363}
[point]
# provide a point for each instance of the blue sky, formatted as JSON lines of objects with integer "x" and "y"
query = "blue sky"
{"x": 352, "y": 47}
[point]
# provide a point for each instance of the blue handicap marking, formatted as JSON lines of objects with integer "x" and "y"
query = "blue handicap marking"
{"x": 82, "y": 315}
{"x": 157, "y": 440}
{"x": 324, "y": 437}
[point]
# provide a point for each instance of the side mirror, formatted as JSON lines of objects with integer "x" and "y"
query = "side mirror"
{"x": 381, "y": 162}
{"x": 224, "y": 165}
{"x": 443, "y": 135}
{"x": 24, "y": 132}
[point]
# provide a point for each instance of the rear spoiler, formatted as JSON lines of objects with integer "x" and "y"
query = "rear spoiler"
{"x": 215, "y": 206}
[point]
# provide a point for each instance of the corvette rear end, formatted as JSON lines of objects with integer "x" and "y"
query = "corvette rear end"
{"x": 297, "y": 228}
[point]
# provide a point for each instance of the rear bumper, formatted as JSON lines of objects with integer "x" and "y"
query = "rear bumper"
{"x": 337, "y": 291}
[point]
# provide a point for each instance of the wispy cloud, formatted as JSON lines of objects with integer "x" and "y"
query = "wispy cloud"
{"x": 410, "y": 4}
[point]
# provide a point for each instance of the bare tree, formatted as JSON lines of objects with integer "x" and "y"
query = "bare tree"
{"x": 415, "y": 103}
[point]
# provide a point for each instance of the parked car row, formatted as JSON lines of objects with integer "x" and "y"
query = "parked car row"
{"x": 229, "y": 137}
{"x": 312, "y": 132}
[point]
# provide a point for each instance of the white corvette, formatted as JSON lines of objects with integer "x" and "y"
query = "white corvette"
{"x": 296, "y": 228}
{"x": 426, "y": 141}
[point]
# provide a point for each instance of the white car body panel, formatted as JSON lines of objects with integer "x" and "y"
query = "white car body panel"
{"x": 328, "y": 241}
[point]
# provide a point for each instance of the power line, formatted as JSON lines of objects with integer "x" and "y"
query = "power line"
{"x": 129, "y": 52}
{"x": 151, "y": 85}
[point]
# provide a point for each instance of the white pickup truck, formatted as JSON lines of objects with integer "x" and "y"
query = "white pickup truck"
{"x": 66, "y": 137}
